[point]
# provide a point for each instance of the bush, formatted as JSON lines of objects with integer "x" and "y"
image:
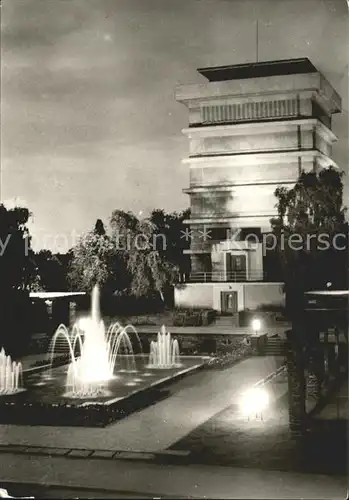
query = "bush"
{"x": 137, "y": 321}
{"x": 236, "y": 352}
{"x": 193, "y": 317}
{"x": 129, "y": 305}
{"x": 208, "y": 316}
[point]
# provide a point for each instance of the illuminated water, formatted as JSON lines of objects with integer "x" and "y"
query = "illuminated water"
{"x": 164, "y": 352}
{"x": 94, "y": 352}
{"x": 10, "y": 375}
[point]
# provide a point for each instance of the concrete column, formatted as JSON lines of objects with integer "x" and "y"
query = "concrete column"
{"x": 60, "y": 312}
{"x": 296, "y": 388}
{"x": 343, "y": 355}
{"x": 325, "y": 348}
{"x": 320, "y": 364}
{"x": 313, "y": 386}
{"x": 316, "y": 373}
{"x": 72, "y": 312}
{"x": 258, "y": 343}
{"x": 49, "y": 308}
{"x": 331, "y": 360}
{"x": 49, "y": 305}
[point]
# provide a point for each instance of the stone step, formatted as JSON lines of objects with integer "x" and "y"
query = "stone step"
{"x": 275, "y": 347}
{"x": 227, "y": 321}
{"x": 274, "y": 352}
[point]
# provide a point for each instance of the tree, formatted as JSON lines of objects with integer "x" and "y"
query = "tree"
{"x": 99, "y": 228}
{"x": 310, "y": 218}
{"x": 170, "y": 226}
{"x": 16, "y": 272}
{"x": 91, "y": 262}
{"x": 148, "y": 270}
{"x": 15, "y": 264}
{"x": 140, "y": 257}
{"x": 50, "y": 271}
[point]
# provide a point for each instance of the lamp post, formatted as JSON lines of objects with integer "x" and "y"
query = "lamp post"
{"x": 256, "y": 325}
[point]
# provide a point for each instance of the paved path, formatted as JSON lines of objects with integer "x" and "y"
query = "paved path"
{"x": 195, "y": 399}
{"x": 174, "y": 481}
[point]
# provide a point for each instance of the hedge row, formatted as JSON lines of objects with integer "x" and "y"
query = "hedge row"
{"x": 193, "y": 317}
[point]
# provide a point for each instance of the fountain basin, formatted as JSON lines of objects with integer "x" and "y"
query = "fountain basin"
{"x": 47, "y": 401}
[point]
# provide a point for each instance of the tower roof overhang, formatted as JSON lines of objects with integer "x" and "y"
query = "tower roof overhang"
{"x": 258, "y": 69}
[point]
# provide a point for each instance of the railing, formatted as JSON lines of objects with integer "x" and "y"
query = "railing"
{"x": 231, "y": 276}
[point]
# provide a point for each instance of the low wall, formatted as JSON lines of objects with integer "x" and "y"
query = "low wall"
{"x": 190, "y": 295}
{"x": 208, "y": 295}
{"x": 257, "y": 294}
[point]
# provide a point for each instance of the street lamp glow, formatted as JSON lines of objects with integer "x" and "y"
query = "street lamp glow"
{"x": 256, "y": 325}
{"x": 254, "y": 401}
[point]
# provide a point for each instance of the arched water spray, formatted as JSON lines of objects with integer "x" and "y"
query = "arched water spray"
{"x": 60, "y": 332}
{"x": 131, "y": 327}
{"x": 113, "y": 330}
{"x": 90, "y": 370}
{"x": 122, "y": 339}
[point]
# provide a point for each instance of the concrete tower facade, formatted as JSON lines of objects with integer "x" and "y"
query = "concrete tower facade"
{"x": 252, "y": 128}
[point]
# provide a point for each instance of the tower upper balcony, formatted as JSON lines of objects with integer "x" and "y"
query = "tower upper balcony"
{"x": 271, "y": 90}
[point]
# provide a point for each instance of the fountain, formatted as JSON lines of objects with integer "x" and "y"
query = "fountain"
{"x": 10, "y": 374}
{"x": 164, "y": 352}
{"x": 103, "y": 375}
{"x": 89, "y": 372}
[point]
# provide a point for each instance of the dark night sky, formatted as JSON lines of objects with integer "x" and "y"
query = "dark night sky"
{"x": 89, "y": 120}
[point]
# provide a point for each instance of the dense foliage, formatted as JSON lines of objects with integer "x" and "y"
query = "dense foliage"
{"x": 135, "y": 258}
{"x": 312, "y": 235}
{"x": 16, "y": 274}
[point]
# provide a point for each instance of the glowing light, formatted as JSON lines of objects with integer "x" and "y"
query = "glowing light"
{"x": 254, "y": 401}
{"x": 256, "y": 325}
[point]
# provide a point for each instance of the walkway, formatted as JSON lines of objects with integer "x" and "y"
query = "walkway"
{"x": 194, "y": 400}
{"x": 173, "y": 481}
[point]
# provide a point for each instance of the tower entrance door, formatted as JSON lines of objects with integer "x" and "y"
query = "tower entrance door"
{"x": 229, "y": 302}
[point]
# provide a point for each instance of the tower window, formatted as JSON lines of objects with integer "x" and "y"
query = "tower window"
{"x": 249, "y": 111}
